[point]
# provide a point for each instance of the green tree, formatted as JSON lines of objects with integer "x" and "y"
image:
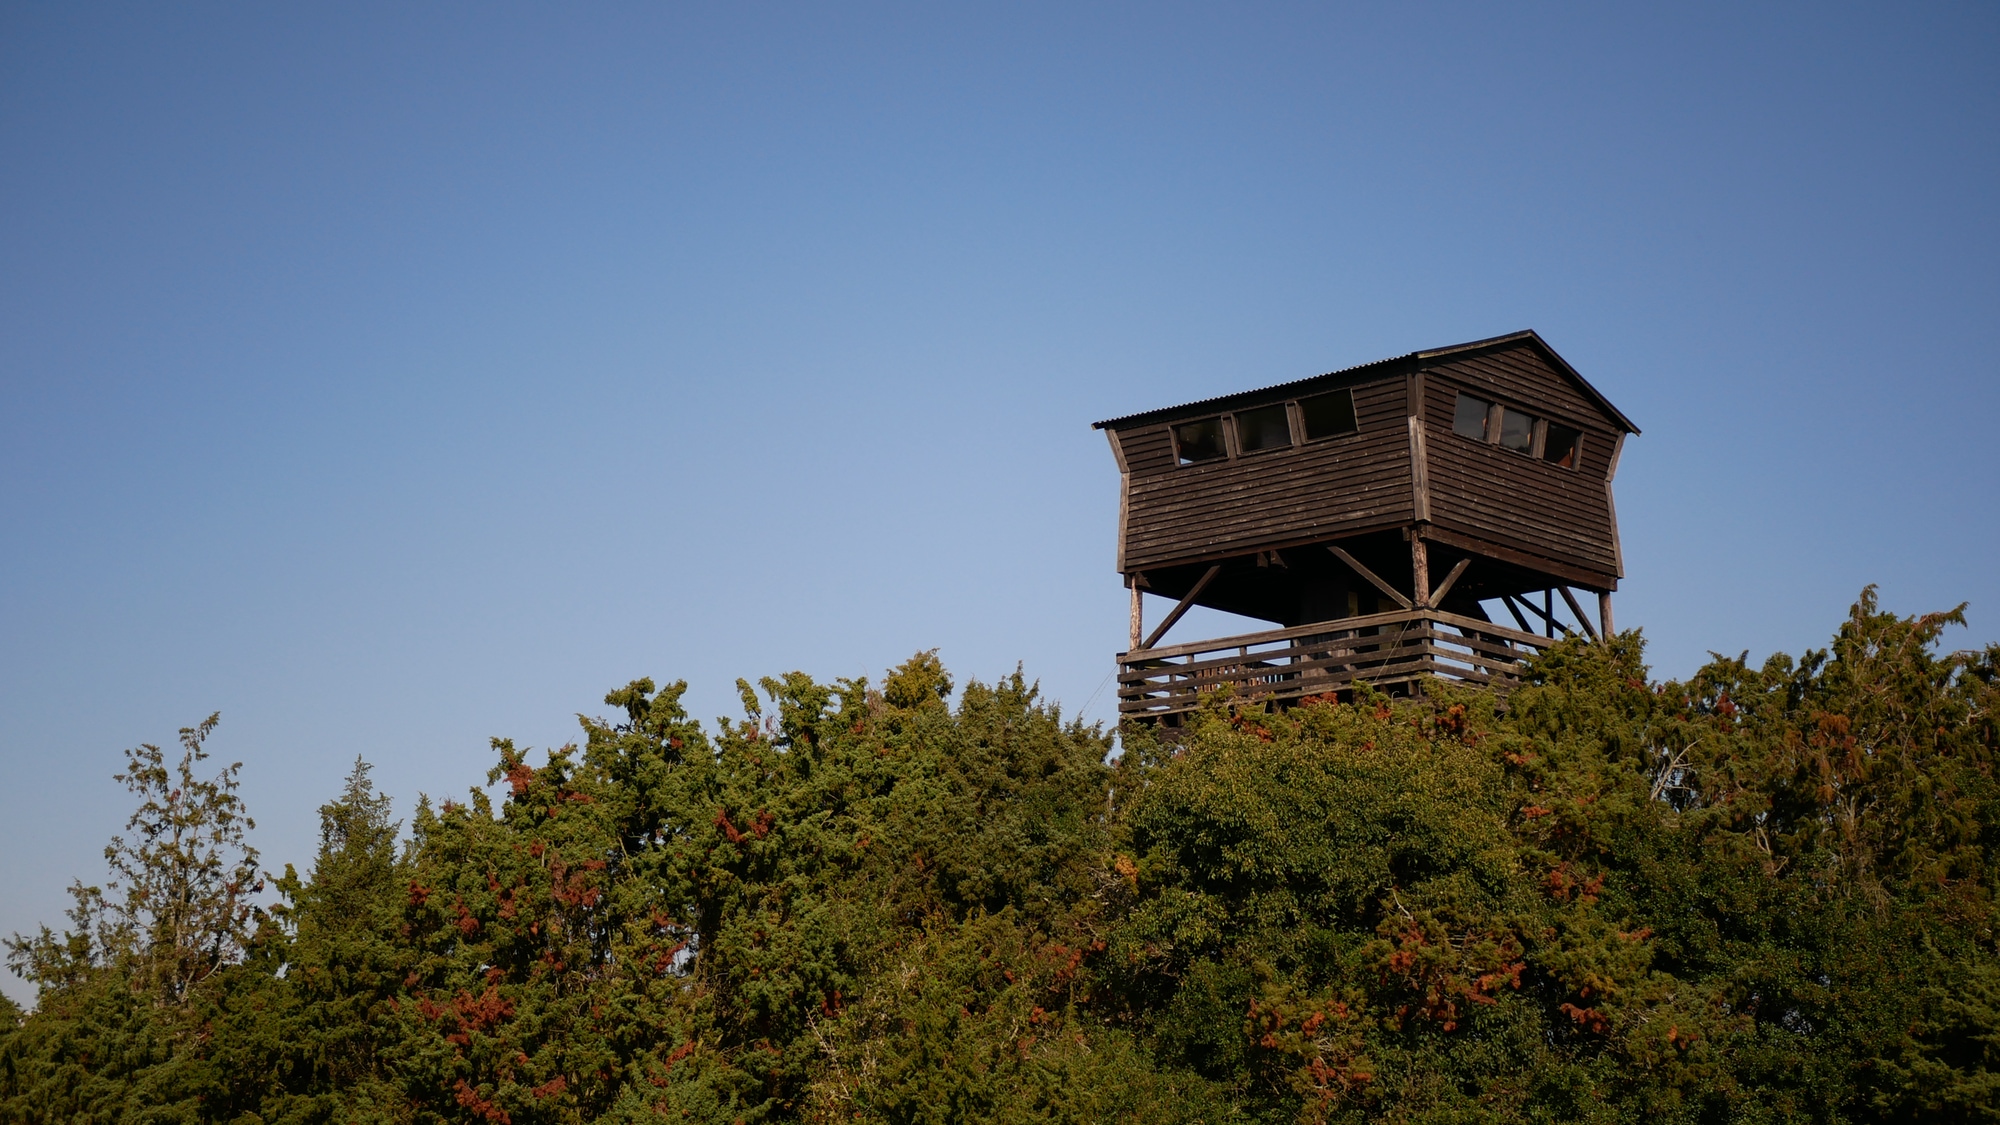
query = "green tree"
{"x": 308, "y": 1028}
{"x": 118, "y": 1031}
{"x": 1763, "y": 894}
{"x": 181, "y": 903}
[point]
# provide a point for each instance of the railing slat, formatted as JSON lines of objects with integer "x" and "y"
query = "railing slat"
{"x": 1339, "y": 624}
{"x": 1324, "y": 657}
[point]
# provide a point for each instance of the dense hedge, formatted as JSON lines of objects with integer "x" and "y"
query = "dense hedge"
{"x": 1762, "y": 894}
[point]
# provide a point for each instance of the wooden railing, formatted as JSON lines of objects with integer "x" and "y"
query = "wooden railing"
{"x": 1383, "y": 649}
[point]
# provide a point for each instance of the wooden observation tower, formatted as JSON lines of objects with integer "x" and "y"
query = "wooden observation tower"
{"x": 1378, "y": 517}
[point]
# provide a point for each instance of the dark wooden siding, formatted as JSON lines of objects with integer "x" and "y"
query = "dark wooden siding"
{"x": 1507, "y": 498}
{"x": 1147, "y": 449}
{"x": 1520, "y": 375}
{"x": 1322, "y": 490}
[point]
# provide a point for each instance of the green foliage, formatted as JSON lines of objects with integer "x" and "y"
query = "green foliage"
{"x": 186, "y": 880}
{"x": 120, "y": 1031}
{"x": 1764, "y": 894}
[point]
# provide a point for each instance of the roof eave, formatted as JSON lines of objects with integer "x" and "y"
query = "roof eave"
{"x": 1217, "y": 401}
{"x": 1527, "y": 334}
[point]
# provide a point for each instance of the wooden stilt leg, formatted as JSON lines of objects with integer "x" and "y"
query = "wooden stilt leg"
{"x": 1138, "y": 623}
{"x": 1420, "y": 570}
{"x": 1604, "y": 615}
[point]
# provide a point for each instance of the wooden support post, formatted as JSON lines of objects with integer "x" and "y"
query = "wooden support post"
{"x": 1419, "y": 469}
{"x": 1185, "y": 603}
{"x": 1549, "y": 613}
{"x": 1420, "y": 569}
{"x": 1604, "y": 615}
{"x": 1393, "y": 594}
{"x": 1138, "y": 622}
{"x": 1437, "y": 595}
{"x": 1588, "y": 628}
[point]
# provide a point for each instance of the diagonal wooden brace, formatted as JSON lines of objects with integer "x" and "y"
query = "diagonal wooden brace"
{"x": 1578, "y": 610}
{"x": 1538, "y": 611}
{"x": 1186, "y": 602}
{"x": 1370, "y": 575}
{"x": 1444, "y": 587}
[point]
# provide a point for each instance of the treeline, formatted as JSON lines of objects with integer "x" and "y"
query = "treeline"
{"x": 1763, "y": 894}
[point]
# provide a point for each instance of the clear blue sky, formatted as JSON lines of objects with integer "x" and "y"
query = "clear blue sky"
{"x": 390, "y": 378}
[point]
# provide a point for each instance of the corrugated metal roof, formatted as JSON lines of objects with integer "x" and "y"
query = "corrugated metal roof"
{"x": 1221, "y": 402}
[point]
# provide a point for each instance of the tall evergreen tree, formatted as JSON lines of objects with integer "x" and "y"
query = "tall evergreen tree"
{"x": 336, "y": 937}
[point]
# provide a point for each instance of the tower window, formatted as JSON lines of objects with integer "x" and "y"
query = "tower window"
{"x": 1199, "y": 441}
{"x": 1517, "y": 430}
{"x": 1470, "y": 420}
{"x": 1328, "y": 415}
{"x": 1267, "y": 427}
{"x": 1563, "y": 446}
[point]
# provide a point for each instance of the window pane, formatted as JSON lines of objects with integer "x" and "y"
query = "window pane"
{"x": 1562, "y": 445}
{"x": 1263, "y": 428}
{"x": 1200, "y": 441}
{"x": 1517, "y": 431}
{"x": 1328, "y": 415}
{"x": 1470, "y": 421}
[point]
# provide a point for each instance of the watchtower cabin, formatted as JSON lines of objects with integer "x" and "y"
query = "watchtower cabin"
{"x": 1377, "y": 517}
